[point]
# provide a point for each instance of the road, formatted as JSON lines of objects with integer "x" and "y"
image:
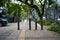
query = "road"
{"x": 9, "y": 32}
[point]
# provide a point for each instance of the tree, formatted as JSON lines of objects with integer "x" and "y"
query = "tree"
{"x": 32, "y": 5}
{"x": 49, "y": 4}
{"x": 13, "y": 9}
{"x": 4, "y": 2}
{"x": 3, "y": 5}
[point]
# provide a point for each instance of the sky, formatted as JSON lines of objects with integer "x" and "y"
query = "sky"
{"x": 58, "y": 1}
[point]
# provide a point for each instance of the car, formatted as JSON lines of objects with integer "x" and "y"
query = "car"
{"x": 3, "y": 22}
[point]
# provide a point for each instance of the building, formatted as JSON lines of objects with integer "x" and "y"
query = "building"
{"x": 51, "y": 13}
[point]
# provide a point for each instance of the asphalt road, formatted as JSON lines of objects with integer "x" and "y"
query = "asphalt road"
{"x": 9, "y": 32}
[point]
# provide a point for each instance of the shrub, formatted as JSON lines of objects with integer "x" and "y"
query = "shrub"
{"x": 47, "y": 22}
{"x": 58, "y": 23}
{"x": 55, "y": 28}
{"x": 38, "y": 21}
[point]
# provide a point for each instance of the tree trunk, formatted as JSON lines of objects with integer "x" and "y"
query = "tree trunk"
{"x": 29, "y": 23}
{"x": 18, "y": 21}
{"x": 36, "y": 24}
{"x": 41, "y": 22}
{"x": 37, "y": 9}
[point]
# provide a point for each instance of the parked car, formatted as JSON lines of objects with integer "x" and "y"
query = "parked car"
{"x": 3, "y": 22}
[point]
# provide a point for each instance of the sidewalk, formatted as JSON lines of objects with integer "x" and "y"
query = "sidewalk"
{"x": 11, "y": 33}
{"x": 38, "y": 34}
